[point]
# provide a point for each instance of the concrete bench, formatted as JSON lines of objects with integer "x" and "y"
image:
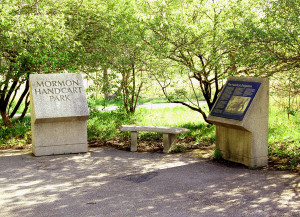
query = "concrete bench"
{"x": 169, "y": 134}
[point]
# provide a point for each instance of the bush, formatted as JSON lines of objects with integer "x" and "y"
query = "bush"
{"x": 18, "y": 134}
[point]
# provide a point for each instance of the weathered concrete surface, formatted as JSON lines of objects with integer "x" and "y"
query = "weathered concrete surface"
{"x": 59, "y": 114}
{"x": 109, "y": 182}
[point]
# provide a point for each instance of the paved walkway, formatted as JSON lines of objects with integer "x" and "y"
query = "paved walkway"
{"x": 149, "y": 106}
{"x": 109, "y": 182}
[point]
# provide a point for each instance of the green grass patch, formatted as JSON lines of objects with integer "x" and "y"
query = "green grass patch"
{"x": 16, "y": 135}
{"x": 284, "y": 139}
{"x": 104, "y": 125}
{"x": 174, "y": 117}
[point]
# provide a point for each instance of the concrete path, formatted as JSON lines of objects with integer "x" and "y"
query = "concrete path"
{"x": 149, "y": 106}
{"x": 109, "y": 182}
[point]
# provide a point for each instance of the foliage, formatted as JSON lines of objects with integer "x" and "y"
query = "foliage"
{"x": 127, "y": 54}
{"x": 17, "y": 135}
{"x": 284, "y": 134}
{"x": 269, "y": 38}
{"x": 33, "y": 39}
{"x": 113, "y": 39}
{"x": 217, "y": 155}
{"x": 122, "y": 44}
{"x": 285, "y": 91}
{"x": 102, "y": 125}
{"x": 193, "y": 38}
{"x": 223, "y": 38}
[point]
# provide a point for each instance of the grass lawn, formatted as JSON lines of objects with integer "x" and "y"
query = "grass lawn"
{"x": 284, "y": 139}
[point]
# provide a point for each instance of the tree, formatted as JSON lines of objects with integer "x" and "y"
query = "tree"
{"x": 113, "y": 39}
{"x": 127, "y": 54}
{"x": 193, "y": 35}
{"x": 267, "y": 40}
{"x": 266, "y": 43}
{"x": 33, "y": 39}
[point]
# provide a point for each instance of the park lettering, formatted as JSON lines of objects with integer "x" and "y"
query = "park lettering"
{"x": 58, "y": 90}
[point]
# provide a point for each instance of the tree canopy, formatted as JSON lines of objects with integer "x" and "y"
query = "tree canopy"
{"x": 202, "y": 42}
{"x": 34, "y": 38}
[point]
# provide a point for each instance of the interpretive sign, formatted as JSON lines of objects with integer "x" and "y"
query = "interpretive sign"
{"x": 59, "y": 114}
{"x": 241, "y": 118}
{"x": 235, "y": 99}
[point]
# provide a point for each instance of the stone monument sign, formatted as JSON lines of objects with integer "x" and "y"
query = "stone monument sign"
{"x": 59, "y": 114}
{"x": 241, "y": 117}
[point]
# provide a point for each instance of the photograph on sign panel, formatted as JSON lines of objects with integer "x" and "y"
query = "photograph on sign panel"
{"x": 237, "y": 104}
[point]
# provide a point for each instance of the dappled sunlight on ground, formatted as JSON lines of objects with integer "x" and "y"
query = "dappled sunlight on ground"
{"x": 109, "y": 182}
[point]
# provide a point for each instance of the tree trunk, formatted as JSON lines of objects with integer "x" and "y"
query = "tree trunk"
{"x": 105, "y": 84}
{"x": 5, "y": 118}
{"x": 27, "y": 103}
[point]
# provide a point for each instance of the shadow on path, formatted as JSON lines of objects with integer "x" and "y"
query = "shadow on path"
{"x": 109, "y": 182}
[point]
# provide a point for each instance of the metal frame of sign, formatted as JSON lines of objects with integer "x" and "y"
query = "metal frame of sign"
{"x": 235, "y": 99}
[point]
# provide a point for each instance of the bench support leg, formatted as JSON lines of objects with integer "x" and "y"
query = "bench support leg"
{"x": 133, "y": 141}
{"x": 168, "y": 140}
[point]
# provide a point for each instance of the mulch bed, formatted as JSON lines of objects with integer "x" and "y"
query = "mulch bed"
{"x": 153, "y": 145}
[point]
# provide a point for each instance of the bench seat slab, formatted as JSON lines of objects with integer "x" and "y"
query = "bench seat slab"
{"x": 135, "y": 128}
